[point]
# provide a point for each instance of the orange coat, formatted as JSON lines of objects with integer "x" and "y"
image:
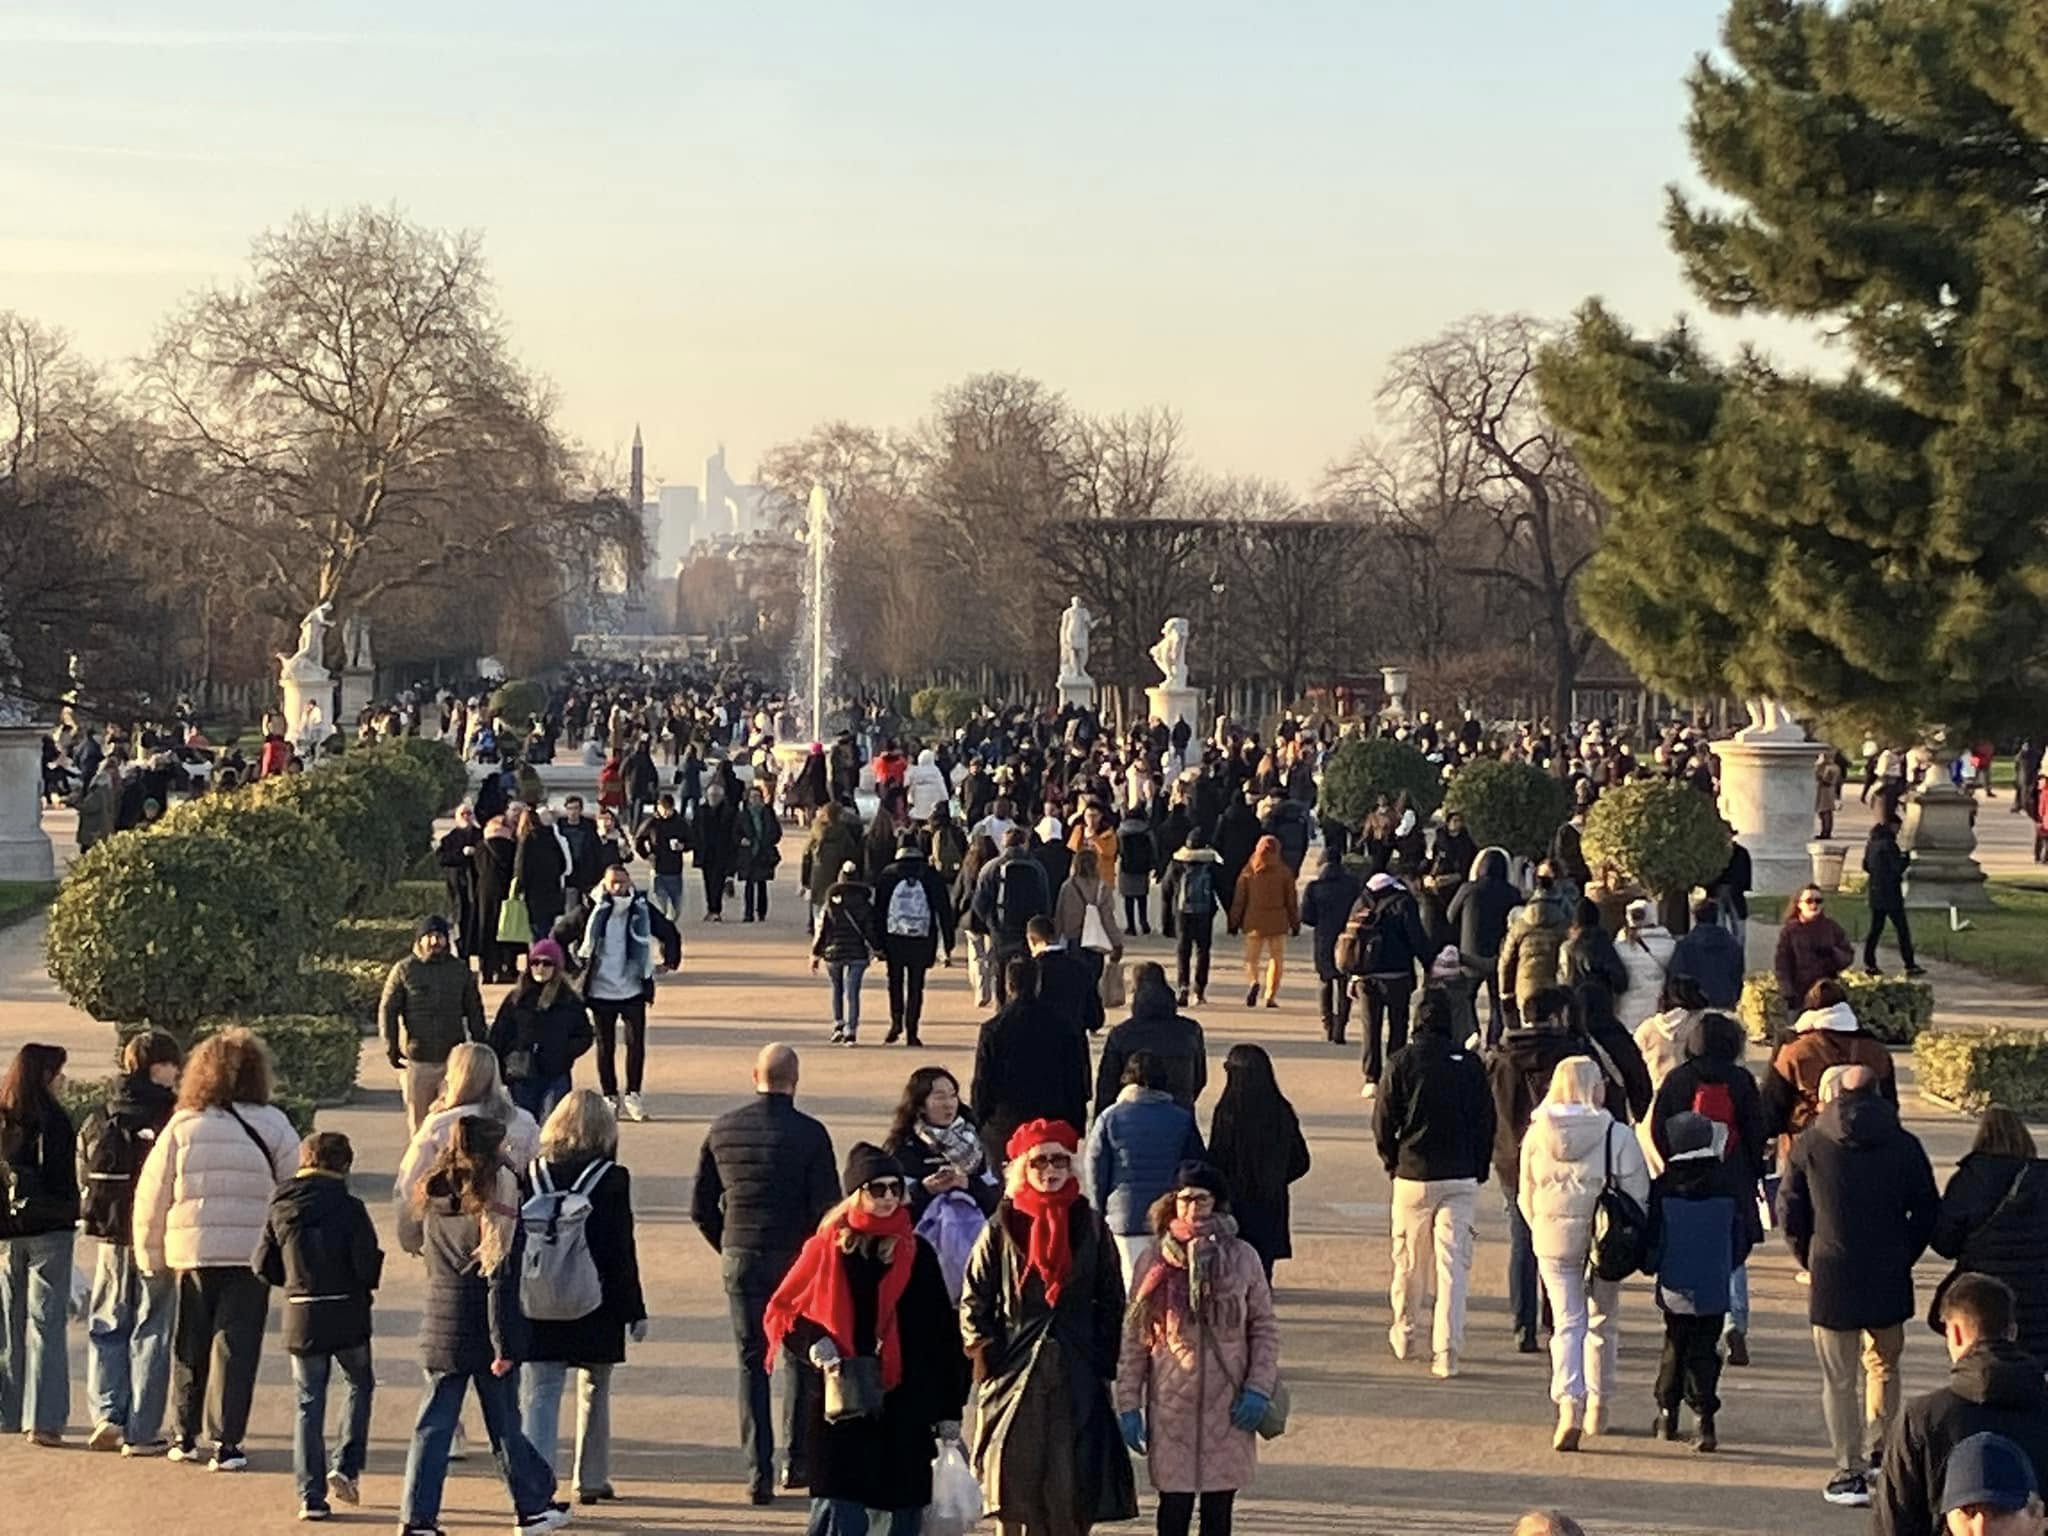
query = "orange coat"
{"x": 1266, "y": 902}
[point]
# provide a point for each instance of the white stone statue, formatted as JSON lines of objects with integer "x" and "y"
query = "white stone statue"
{"x": 306, "y": 661}
{"x": 1075, "y": 621}
{"x": 1170, "y": 655}
{"x": 1768, "y": 718}
{"x": 355, "y": 644}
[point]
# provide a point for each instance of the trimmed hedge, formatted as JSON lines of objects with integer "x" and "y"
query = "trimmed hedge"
{"x": 1976, "y": 1068}
{"x": 947, "y": 708}
{"x": 1665, "y": 835}
{"x": 440, "y": 763}
{"x": 383, "y": 939}
{"x": 315, "y": 1056}
{"x": 1515, "y": 806}
{"x": 348, "y": 989}
{"x": 169, "y": 927}
{"x": 375, "y": 849}
{"x": 1360, "y": 771}
{"x": 1893, "y": 1008}
{"x": 409, "y": 899}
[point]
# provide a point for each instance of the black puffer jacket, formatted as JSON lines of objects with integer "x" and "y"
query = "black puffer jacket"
{"x": 1994, "y": 1387}
{"x": 470, "y": 1319}
{"x": 2013, "y": 1247}
{"x": 1326, "y": 905}
{"x": 1479, "y": 912}
{"x": 321, "y": 1247}
{"x": 765, "y": 1179}
{"x": 43, "y": 1155}
{"x": 137, "y": 1109}
{"x": 1433, "y": 1118}
{"x": 1173, "y": 1039}
{"x": 1858, "y": 1207}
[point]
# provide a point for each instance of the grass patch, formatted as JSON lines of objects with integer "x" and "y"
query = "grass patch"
{"x": 23, "y": 898}
{"x": 2009, "y": 939}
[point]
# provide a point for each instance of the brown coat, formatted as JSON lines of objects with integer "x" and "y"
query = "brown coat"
{"x": 1070, "y": 913}
{"x": 1185, "y": 1375}
{"x": 1793, "y": 1093}
{"x": 1266, "y": 902}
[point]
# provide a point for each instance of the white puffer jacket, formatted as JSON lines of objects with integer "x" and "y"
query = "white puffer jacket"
{"x": 522, "y": 1146}
{"x": 926, "y": 786}
{"x": 1563, "y": 1171}
{"x": 1646, "y": 955}
{"x": 204, "y": 1191}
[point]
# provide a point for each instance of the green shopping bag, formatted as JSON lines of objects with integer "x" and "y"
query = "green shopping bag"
{"x": 515, "y": 923}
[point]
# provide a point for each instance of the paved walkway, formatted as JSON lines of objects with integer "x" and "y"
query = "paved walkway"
{"x": 1377, "y": 1446}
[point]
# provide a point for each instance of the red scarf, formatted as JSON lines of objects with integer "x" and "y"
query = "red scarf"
{"x": 816, "y": 1287}
{"x": 1050, "y": 1252}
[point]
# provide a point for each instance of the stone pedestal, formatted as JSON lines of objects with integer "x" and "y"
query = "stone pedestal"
{"x": 1077, "y": 692}
{"x": 303, "y": 686}
{"x": 1941, "y": 836}
{"x": 358, "y": 689}
{"x": 1173, "y": 705}
{"x": 1767, "y": 797}
{"x": 25, "y": 852}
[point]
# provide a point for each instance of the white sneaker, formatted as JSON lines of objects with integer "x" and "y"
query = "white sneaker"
{"x": 105, "y": 1437}
{"x": 1445, "y": 1365}
{"x": 1596, "y": 1416}
{"x": 633, "y": 1109}
{"x": 553, "y": 1518}
{"x": 1398, "y": 1343}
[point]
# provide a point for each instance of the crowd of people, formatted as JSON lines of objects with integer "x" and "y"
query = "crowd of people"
{"x": 1052, "y": 1264}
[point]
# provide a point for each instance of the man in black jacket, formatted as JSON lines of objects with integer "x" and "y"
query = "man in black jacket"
{"x": 1030, "y": 1063}
{"x": 1858, "y": 1207}
{"x": 663, "y": 840}
{"x": 1067, "y": 987}
{"x": 1884, "y": 861}
{"x": 1157, "y": 1028}
{"x": 1388, "y": 980}
{"x": 908, "y": 933}
{"x": 1010, "y": 891}
{"x": 578, "y": 837}
{"x": 1711, "y": 956}
{"x": 1993, "y": 1386}
{"x": 1433, "y": 1123}
{"x": 1326, "y": 906}
{"x": 1478, "y": 917}
{"x": 765, "y": 1179}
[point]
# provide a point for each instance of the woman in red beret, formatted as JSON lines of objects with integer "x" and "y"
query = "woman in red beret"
{"x": 1041, "y": 1317}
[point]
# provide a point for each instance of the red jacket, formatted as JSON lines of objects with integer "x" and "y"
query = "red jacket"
{"x": 277, "y": 755}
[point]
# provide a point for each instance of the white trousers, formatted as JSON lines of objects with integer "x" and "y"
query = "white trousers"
{"x": 1433, "y": 1231}
{"x": 1585, "y": 1333}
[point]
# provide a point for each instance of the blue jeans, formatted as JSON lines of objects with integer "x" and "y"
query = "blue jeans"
{"x": 540, "y": 1395}
{"x": 667, "y": 896}
{"x": 1522, "y": 1285}
{"x": 849, "y": 1517}
{"x": 309, "y": 1445}
{"x": 35, "y": 1298}
{"x": 527, "y": 1477}
{"x": 538, "y": 1095}
{"x": 128, "y": 1356}
{"x": 1738, "y": 1299}
{"x": 846, "y": 975}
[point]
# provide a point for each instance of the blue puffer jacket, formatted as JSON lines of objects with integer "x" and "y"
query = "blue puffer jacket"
{"x": 1704, "y": 1234}
{"x": 1135, "y": 1148}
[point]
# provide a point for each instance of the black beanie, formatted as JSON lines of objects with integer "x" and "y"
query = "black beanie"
{"x": 432, "y": 923}
{"x": 1201, "y": 1176}
{"x": 866, "y": 1161}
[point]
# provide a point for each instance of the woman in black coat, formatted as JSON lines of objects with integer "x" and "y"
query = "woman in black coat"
{"x": 1994, "y": 1219}
{"x": 456, "y": 854}
{"x": 541, "y": 1029}
{"x": 541, "y": 866}
{"x": 867, "y": 1287}
{"x": 1589, "y": 954}
{"x": 494, "y": 856}
{"x": 36, "y": 1239}
{"x": 1255, "y": 1142}
{"x": 577, "y": 1148}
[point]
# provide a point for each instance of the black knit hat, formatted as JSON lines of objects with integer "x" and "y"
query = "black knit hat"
{"x": 433, "y": 922}
{"x": 1194, "y": 1175}
{"x": 864, "y": 1162}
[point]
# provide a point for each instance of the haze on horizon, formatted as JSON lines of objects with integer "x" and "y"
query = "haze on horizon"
{"x": 731, "y": 223}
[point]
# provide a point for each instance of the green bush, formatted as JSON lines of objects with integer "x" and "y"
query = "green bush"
{"x": 349, "y": 989}
{"x": 175, "y": 926}
{"x": 382, "y": 939}
{"x": 1976, "y": 1068}
{"x": 441, "y": 763}
{"x": 409, "y": 899}
{"x": 946, "y": 708}
{"x": 1515, "y": 806}
{"x": 517, "y": 702}
{"x": 1360, "y": 771}
{"x": 315, "y": 1056}
{"x": 1893, "y": 1008}
{"x": 1665, "y": 835}
{"x": 282, "y": 838}
{"x": 407, "y": 789}
{"x": 374, "y": 844}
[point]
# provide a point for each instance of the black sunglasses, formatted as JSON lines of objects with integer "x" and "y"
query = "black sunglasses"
{"x": 881, "y": 1188}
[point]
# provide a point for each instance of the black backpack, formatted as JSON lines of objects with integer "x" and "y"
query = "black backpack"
{"x": 1361, "y": 943}
{"x": 1019, "y": 895}
{"x": 1624, "y": 1242}
{"x": 112, "y": 1147}
{"x": 1198, "y": 887}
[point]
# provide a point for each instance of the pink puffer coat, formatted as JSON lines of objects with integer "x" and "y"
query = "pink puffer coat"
{"x": 1186, "y": 1375}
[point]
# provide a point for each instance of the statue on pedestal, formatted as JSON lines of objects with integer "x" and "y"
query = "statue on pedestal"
{"x": 1170, "y": 655}
{"x": 355, "y": 644}
{"x": 1770, "y": 720}
{"x": 308, "y": 660}
{"x": 1075, "y": 622}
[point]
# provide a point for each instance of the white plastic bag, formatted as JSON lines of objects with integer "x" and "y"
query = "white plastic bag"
{"x": 955, "y": 1509}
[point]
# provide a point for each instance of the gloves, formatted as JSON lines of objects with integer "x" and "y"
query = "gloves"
{"x": 1132, "y": 1423}
{"x": 639, "y": 1331}
{"x": 397, "y": 1062}
{"x": 1250, "y": 1407}
{"x": 825, "y": 1354}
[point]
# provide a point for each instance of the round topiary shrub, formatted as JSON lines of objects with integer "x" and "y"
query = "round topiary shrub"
{"x": 1666, "y": 836}
{"x": 376, "y": 846}
{"x": 286, "y": 840}
{"x": 406, "y": 790}
{"x": 1515, "y": 806}
{"x": 174, "y": 926}
{"x": 442, "y": 765}
{"x": 518, "y": 702}
{"x": 1360, "y": 771}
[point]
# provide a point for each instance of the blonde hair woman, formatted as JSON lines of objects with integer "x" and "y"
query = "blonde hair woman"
{"x": 577, "y": 1148}
{"x": 472, "y": 1087}
{"x": 1572, "y": 1146}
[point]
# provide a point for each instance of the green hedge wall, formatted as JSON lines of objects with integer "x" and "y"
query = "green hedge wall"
{"x": 1892, "y": 1008}
{"x": 1976, "y": 1068}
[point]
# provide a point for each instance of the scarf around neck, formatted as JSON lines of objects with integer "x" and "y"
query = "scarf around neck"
{"x": 817, "y": 1287}
{"x": 1050, "y": 1251}
{"x": 956, "y": 1142}
{"x": 1187, "y": 1253}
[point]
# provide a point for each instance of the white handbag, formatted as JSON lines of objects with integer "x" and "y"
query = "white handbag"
{"x": 1094, "y": 932}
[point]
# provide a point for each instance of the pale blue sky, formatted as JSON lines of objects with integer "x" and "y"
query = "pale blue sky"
{"x": 737, "y": 220}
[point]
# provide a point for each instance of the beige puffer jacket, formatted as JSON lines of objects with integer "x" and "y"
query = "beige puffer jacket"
{"x": 203, "y": 1195}
{"x": 436, "y": 1132}
{"x": 1563, "y": 1171}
